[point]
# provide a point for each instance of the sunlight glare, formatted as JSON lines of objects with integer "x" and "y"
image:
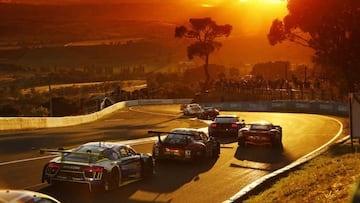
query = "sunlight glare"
{"x": 264, "y": 1}
{"x": 207, "y": 5}
{"x": 256, "y": 15}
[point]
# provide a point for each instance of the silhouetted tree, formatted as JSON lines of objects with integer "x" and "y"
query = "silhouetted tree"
{"x": 204, "y": 31}
{"x": 332, "y": 29}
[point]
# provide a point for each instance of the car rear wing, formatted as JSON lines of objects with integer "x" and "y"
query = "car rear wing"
{"x": 63, "y": 152}
{"x": 278, "y": 128}
{"x": 159, "y": 133}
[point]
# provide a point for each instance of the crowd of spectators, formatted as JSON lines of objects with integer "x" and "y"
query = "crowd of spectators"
{"x": 252, "y": 82}
{"x": 251, "y": 88}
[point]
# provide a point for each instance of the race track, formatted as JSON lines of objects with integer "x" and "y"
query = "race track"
{"x": 212, "y": 181}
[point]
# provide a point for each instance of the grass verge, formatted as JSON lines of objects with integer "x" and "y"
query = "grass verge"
{"x": 331, "y": 177}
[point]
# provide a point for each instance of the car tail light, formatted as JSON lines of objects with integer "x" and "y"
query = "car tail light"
{"x": 54, "y": 165}
{"x": 94, "y": 169}
{"x": 234, "y": 125}
{"x": 265, "y": 138}
{"x": 93, "y": 172}
{"x": 53, "y": 168}
{"x": 213, "y": 125}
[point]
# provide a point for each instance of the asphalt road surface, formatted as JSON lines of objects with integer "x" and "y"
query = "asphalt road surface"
{"x": 214, "y": 180}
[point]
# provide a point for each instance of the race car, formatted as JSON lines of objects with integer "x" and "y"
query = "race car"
{"x": 192, "y": 109}
{"x": 100, "y": 165}
{"x": 209, "y": 113}
{"x": 261, "y": 133}
{"x": 226, "y": 126}
{"x": 25, "y": 196}
{"x": 187, "y": 144}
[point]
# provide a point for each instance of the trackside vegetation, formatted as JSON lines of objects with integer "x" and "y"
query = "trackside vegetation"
{"x": 331, "y": 177}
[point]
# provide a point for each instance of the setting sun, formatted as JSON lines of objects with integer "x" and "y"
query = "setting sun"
{"x": 249, "y": 17}
{"x": 265, "y": 1}
{"x": 207, "y": 5}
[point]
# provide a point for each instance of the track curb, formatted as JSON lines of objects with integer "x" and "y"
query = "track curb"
{"x": 258, "y": 185}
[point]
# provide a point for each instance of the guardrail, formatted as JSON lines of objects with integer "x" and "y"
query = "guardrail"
{"x": 19, "y": 123}
{"x": 22, "y": 123}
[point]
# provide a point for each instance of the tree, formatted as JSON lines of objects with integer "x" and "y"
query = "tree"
{"x": 204, "y": 31}
{"x": 331, "y": 29}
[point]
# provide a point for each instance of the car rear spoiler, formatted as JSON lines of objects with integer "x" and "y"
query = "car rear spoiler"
{"x": 278, "y": 127}
{"x": 63, "y": 152}
{"x": 158, "y": 133}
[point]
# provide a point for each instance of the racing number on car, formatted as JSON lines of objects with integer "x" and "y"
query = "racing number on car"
{"x": 187, "y": 153}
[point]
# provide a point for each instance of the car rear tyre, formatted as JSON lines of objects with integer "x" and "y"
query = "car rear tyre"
{"x": 147, "y": 168}
{"x": 113, "y": 180}
{"x": 216, "y": 150}
{"x": 199, "y": 155}
{"x": 241, "y": 142}
{"x": 278, "y": 145}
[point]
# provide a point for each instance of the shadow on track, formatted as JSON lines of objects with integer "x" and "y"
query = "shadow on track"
{"x": 260, "y": 158}
{"x": 169, "y": 176}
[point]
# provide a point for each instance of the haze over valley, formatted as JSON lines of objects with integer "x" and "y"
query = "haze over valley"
{"x": 49, "y": 28}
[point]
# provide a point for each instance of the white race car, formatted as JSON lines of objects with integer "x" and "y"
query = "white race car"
{"x": 192, "y": 109}
{"x": 98, "y": 164}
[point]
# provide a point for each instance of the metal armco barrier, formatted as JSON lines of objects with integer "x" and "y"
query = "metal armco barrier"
{"x": 18, "y": 123}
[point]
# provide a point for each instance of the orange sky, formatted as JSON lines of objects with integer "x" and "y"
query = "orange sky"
{"x": 251, "y": 21}
{"x": 250, "y": 17}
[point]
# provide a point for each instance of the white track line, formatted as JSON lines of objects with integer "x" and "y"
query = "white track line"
{"x": 25, "y": 160}
{"x": 155, "y": 113}
{"x": 299, "y": 161}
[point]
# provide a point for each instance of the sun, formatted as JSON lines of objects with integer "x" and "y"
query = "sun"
{"x": 273, "y": 1}
{"x": 250, "y": 16}
{"x": 264, "y": 1}
{"x": 255, "y": 16}
{"x": 207, "y": 5}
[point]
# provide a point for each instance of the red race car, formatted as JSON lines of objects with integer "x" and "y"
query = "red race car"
{"x": 187, "y": 144}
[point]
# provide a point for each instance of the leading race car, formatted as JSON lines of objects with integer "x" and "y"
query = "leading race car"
{"x": 192, "y": 109}
{"x": 261, "y": 133}
{"x": 99, "y": 165}
{"x": 186, "y": 144}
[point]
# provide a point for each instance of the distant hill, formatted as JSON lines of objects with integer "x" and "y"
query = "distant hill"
{"x": 46, "y": 26}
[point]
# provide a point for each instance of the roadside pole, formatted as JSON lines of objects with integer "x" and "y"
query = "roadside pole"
{"x": 354, "y": 114}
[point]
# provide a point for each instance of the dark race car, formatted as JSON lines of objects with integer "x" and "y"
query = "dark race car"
{"x": 209, "y": 113}
{"x": 99, "y": 165}
{"x": 187, "y": 144}
{"x": 225, "y": 126}
{"x": 261, "y": 133}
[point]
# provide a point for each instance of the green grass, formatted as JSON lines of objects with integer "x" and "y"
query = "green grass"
{"x": 331, "y": 177}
